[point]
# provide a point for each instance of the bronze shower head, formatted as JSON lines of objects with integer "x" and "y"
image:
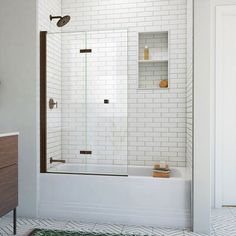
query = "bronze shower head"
{"x": 62, "y": 20}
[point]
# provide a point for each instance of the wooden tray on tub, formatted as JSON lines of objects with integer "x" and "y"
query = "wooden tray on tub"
{"x": 161, "y": 174}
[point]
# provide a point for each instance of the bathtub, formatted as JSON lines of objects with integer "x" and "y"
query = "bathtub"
{"x": 136, "y": 199}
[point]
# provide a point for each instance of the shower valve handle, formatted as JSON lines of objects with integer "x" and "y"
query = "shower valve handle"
{"x": 52, "y": 103}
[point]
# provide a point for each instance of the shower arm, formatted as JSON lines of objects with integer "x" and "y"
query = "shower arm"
{"x": 55, "y": 17}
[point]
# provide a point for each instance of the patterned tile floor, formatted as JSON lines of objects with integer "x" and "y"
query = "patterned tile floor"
{"x": 223, "y": 224}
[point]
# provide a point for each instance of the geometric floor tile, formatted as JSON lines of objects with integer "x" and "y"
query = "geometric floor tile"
{"x": 223, "y": 223}
{"x": 75, "y": 225}
{"x": 138, "y": 230}
{"x": 25, "y": 225}
{"x": 167, "y": 232}
{"x": 108, "y": 228}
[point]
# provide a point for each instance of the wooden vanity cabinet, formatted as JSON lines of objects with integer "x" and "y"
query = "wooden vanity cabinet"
{"x": 9, "y": 175}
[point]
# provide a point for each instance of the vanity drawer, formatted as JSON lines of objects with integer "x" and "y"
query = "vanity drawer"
{"x": 8, "y": 189}
{"x": 8, "y": 151}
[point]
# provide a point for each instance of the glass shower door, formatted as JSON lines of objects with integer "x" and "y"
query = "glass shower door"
{"x": 74, "y": 104}
{"x": 107, "y": 102}
{"x": 87, "y": 80}
{"x": 53, "y": 94}
{"x": 66, "y": 88}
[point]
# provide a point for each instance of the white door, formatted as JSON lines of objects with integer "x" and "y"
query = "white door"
{"x": 226, "y": 101}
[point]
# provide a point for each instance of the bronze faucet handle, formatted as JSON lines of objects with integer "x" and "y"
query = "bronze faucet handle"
{"x": 52, "y": 103}
{"x": 56, "y": 161}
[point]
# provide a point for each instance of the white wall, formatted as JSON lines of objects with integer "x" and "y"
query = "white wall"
{"x": 202, "y": 125}
{"x": 18, "y": 108}
{"x": 156, "y": 118}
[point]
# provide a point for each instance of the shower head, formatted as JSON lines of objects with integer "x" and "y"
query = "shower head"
{"x": 62, "y": 20}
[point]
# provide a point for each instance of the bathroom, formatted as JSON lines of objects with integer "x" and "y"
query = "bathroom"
{"x": 142, "y": 124}
{"x": 110, "y": 116}
{"x": 104, "y": 114}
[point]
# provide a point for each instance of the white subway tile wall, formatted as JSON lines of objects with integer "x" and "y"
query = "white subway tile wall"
{"x": 46, "y": 8}
{"x": 156, "y": 118}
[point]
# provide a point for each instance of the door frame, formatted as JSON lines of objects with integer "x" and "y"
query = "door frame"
{"x": 219, "y": 13}
{"x": 43, "y": 101}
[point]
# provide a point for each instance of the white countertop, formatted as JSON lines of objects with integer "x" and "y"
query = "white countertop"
{"x": 9, "y": 134}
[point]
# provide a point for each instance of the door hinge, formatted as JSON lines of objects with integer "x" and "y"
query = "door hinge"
{"x": 86, "y": 152}
{"x": 85, "y": 50}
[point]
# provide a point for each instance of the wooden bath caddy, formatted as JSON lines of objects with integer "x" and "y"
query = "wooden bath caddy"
{"x": 161, "y": 174}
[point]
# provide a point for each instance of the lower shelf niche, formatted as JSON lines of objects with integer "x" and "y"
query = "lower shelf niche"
{"x": 151, "y": 74}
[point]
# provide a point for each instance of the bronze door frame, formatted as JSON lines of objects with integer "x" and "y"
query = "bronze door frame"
{"x": 43, "y": 101}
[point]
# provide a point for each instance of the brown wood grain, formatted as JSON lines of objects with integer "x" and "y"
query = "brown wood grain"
{"x": 8, "y": 151}
{"x": 8, "y": 189}
{"x": 8, "y": 174}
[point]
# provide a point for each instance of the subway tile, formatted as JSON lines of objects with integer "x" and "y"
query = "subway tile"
{"x": 159, "y": 117}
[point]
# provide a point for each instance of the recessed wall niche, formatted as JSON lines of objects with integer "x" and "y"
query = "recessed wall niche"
{"x": 153, "y": 69}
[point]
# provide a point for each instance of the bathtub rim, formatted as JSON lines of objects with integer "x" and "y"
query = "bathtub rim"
{"x": 185, "y": 175}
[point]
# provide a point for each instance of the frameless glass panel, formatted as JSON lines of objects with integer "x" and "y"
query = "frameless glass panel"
{"x": 66, "y": 121}
{"x": 87, "y": 83}
{"x": 54, "y": 99}
{"x": 107, "y": 102}
{"x": 73, "y": 97}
